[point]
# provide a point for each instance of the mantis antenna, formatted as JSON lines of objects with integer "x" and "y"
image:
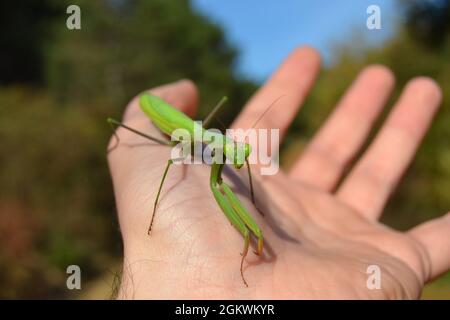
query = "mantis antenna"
{"x": 268, "y": 108}
{"x": 213, "y": 113}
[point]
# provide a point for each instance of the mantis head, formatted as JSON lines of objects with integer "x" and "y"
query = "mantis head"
{"x": 237, "y": 153}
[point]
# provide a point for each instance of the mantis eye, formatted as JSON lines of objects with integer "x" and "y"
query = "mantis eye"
{"x": 248, "y": 150}
{"x": 242, "y": 152}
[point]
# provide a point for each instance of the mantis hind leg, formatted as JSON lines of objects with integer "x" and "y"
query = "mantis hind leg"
{"x": 169, "y": 163}
{"x": 252, "y": 193}
{"x": 114, "y": 124}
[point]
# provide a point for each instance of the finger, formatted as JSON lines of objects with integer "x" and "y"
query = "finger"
{"x": 375, "y": 176}
{"x": 345, "y": 131}
{"x": 290, "y": 83}
{"x": 434, "y": 235}
{"x": 181, "y": 94}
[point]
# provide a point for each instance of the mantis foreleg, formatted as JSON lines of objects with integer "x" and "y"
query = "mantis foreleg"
{"x": 252, "y": 193}
{"x": 243, "y": 214}
{"x": 234, "y": 218}
{"x": 235, "y": 211}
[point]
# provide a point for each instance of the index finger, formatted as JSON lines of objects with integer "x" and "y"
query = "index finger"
{"x": 293, "y": 80}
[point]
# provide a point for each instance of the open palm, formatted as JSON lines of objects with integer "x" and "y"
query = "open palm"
{"x": 320, "y": 240}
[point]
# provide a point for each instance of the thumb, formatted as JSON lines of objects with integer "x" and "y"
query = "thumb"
{"x": 434, "y": 235}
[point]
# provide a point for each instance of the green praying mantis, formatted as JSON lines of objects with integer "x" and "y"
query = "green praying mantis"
{"x": 167, "y": 119}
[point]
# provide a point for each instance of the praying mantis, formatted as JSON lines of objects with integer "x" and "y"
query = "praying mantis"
{"x": 167, "y": 119}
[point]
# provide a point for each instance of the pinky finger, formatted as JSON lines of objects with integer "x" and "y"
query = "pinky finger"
{"x": 434, "y": 235}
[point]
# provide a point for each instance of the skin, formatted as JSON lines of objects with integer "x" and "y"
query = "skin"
{"x": 319, "y": 238}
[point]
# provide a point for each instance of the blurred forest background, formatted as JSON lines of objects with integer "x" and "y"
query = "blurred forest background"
{"x": 58, "y": 86}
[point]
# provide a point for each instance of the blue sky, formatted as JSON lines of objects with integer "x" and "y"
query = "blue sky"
{"x": 265, "y": 31}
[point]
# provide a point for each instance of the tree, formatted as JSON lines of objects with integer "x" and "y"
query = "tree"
{"x": 56, "y": 201}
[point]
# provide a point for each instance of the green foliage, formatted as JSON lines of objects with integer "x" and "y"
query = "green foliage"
{"x": 24, "y": 31}
{"x": 56, "y": 200}
{"x": 428, "y": 21}
{"x": 131, "y": 47}
{"x": 55, "y": 171}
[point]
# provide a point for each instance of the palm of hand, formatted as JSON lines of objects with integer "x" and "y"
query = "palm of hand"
{"x": 318, "y": 241}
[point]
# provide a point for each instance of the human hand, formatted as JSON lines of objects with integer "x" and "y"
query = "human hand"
{"x": 319, "y": 238}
